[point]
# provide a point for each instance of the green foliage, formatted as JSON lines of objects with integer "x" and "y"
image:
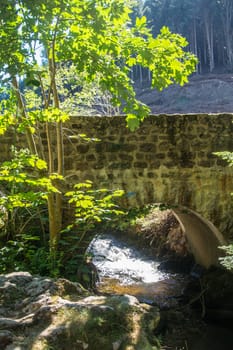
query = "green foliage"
{"x": 23, "y": 179}
{"x": 228, "y": 156}
{"x": 25, "y": 254}
{"x": 25, "y": 191}
{"x": 77, "y": 96}
{"x": 7, "y": 110}
{"x": 135, "y": 214}
{"x": 227, "y": 261}
{"x": 93, "y": 206}
{"x": 72, "y": 251}
{"x": 94, "y": 209}
{"x": 99, "y": 43}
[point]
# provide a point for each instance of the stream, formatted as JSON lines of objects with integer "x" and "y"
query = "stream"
{"x": 124, "y": 269}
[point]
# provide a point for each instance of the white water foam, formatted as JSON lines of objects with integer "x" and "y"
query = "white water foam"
{"x": 114, "y": 258}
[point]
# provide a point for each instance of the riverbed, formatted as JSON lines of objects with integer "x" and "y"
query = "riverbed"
{"x": 124, "y": 269}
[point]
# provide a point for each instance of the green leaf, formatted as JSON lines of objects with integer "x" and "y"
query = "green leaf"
{"x": 140, "y": 22}
{"x": 132, "y": 122}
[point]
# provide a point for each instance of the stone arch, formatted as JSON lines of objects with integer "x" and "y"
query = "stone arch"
{"x": 203, "y": 237}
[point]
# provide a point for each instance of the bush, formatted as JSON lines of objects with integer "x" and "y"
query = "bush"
{"x": 227, "y": 261}
{"x": 25, "y": 254}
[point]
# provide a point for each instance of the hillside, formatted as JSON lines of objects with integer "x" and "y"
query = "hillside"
{"x": 203, "y": 94}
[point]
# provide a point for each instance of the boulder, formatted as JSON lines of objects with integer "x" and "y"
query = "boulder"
{"x": 39, "y": 313}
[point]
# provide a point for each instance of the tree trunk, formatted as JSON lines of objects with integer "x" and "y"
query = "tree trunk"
{"x": 195, "y": 41}
{"x": 209, "y": 39}
{"x": 55, "y": 200}
{"x": 227, "y": 28}
{"x": 29, "y": 136}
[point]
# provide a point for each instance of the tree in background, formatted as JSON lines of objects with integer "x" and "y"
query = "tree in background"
{"x": 77, "y": 96}
{"x": 207, "y": 25}
{"x": 100, "y": 41}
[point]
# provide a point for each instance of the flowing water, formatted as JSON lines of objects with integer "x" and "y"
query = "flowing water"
{"x": 125, "y": 270}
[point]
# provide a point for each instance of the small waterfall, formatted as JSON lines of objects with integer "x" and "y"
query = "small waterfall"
{"x": 116, "y": 259}
{"x": 124, "y": 269}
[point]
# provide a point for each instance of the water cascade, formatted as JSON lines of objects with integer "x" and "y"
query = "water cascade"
{"x": 123, "y": 269}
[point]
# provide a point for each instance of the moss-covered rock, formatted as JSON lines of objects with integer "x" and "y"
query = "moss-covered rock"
{"x": 58, "y": 314}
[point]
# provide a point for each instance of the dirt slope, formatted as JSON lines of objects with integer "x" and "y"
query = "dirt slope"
{"x": 203, "y": 94}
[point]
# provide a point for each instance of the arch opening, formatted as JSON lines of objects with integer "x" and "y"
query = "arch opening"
{"x": 184, "y": 232}
{"x": 203, "y": 237}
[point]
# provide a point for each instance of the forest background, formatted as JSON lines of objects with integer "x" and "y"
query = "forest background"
{"x": 208, "y": 27}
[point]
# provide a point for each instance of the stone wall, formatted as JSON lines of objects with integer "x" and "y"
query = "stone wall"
{"x": 168, "y": 159}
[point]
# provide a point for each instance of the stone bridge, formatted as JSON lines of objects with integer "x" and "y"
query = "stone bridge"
{"x": 168, "y": 159}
